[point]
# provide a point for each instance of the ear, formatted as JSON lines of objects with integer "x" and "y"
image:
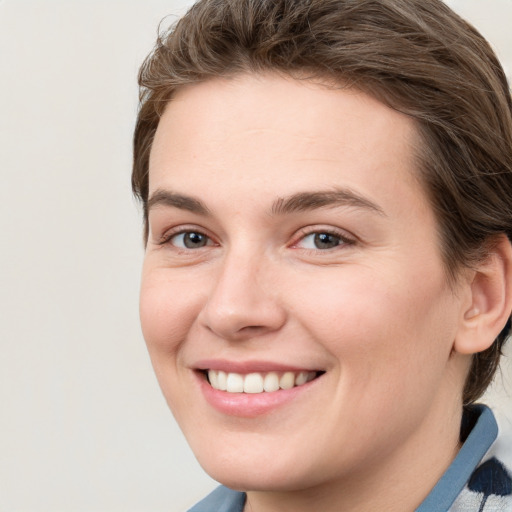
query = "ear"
{"x": 490, "y": 304}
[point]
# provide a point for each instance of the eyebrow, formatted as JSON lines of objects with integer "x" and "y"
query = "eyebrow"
{"x": 304, "y": 201}
{"x": 167, "y": 198}
{"x": 299, "y": 202}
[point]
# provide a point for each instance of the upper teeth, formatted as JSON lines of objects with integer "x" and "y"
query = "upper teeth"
{"x": 257, "y": 382}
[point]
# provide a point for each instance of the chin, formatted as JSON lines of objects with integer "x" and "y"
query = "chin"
{"x": 257, "y": 474}
{"x": 260, "y": 479}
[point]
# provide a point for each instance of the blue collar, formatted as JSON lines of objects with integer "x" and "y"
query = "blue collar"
{"x": 479, "y": 440}
{"x": 221, "y": 499}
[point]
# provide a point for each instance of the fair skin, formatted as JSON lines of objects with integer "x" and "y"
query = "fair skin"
{"x": 288, "y": 234}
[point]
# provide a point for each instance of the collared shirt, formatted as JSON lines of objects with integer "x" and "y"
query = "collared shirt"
{"x": 476, "y": 481}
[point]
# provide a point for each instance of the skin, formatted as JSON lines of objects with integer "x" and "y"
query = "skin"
{"x": 375, "y": 312}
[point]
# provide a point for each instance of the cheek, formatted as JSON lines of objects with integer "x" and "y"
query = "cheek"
{"x": 166, "y": 312}
{"x": 390, "y": 343}
{"x": 166, "y": 315}
{"x": 381, "y": 331}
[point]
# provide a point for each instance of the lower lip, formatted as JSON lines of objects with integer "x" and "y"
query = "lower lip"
{"x": 250, "y": 405}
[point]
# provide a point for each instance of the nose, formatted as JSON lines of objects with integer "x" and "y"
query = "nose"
{"x": 243, "y": 301}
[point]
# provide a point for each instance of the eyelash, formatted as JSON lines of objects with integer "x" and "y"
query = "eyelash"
{"x": 343, "y": 239}
{"x": 168, "y": 236}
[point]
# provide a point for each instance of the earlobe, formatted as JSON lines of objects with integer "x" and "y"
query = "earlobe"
{"x": 491, "y": 300}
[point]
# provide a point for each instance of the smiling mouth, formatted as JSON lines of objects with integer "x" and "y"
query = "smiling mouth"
{"x": 258, "y": 382}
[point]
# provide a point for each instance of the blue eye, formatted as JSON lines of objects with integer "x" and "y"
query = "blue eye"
{"x": 190, "y": 240}
{"x": 320, "y": 241}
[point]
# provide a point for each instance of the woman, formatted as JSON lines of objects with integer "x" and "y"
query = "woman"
{"x": 328, "y": 270}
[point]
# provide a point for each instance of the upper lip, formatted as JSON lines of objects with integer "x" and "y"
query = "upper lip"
{"x": 244, "y": 367}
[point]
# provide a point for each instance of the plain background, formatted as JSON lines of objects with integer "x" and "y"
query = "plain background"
{"x": 83, "y": 426}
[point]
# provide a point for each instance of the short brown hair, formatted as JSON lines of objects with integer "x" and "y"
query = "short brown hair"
{"x": 416, "y": 56}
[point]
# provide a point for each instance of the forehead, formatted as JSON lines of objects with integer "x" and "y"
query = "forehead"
{"x": 285, "y": 135}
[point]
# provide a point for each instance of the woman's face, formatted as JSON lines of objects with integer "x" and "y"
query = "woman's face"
{"x": 291, "y": 243}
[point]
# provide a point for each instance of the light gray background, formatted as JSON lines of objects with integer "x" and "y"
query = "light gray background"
{"x": 83, "y": 426}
